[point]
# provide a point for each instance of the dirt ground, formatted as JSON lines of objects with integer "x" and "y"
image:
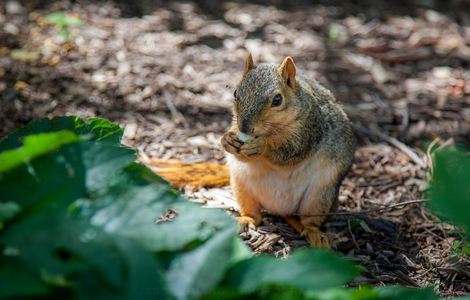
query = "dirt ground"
{"x": 166, "y": 72}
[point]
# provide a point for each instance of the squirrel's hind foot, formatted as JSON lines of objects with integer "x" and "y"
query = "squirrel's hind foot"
{"x": 316, "y": 237}
{"x": 313, "y": 234}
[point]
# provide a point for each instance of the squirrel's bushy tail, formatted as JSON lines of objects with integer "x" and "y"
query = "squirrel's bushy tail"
{"x": 196, "y": 175}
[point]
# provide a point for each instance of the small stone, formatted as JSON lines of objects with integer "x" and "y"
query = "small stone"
{"x": 13, "y": 7}
{"x": 11, "y": 28}
{"x": 379, "y": 73}
{"x": 120, "y": 55}
{"x": 21, "y": 85}
{"x": 197, "y": 141}
{"x": 130, "y": 131}
{"x": 98, "y": 77}
{"x": 441, "y": 72}
{"x": 147, "y": 92}
{"x": 434, "y": 16}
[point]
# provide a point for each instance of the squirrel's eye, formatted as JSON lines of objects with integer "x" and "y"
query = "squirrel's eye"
{"x": 277, "y": 100}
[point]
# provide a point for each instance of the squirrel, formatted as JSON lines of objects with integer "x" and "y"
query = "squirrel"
{"x": 288, "y": 149}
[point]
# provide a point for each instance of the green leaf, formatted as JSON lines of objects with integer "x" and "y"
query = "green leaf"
{"x": 400, "y": 292}
{"x": 271, "y": 293}
{"x": 450, "y": 188}
{"x": 346, "y": 294}
{"x": 20, "y": 281}
{"x": 8, "y": 210}
{"x": 63, "y": 20}
{"x": 34, "y": 146}
{"x": 63, "y": 35}
{"x": 197, "y": 272}
{"x": 102, "y": 162}
{"x": 71, "y": 254}
{"x": 307, "y": 270}
{"x": 279, "y": 293}
{"x": 381, "y": 293}
{"x": 95, "y": 129}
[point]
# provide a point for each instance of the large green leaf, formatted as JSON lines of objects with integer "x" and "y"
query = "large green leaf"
{"x": 198, "y": 272}
{"x": 70, "y": 254}
{"x": 103, "y": 163}
{"x": 119, "y": 196}
{"x": 124, "y": 197}
{"x": 19, "y": 280}
{"x": 307, "y": 270}
{"x": 64, "y": 253}
{"x": 450, "y": 185}
{"x": 115, "y": 203}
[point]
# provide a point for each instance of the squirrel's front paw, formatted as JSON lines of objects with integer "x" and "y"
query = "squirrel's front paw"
{"x": 231, "y": 143}
{"x": 243, "y": 150}
{"x": 252, "y": 148}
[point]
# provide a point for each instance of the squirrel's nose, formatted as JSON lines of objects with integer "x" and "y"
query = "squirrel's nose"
{"x": 244, "y": 126}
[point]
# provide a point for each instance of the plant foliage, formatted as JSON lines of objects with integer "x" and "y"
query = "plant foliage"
{"x": 450, "y": 185}
{"x": 64, "y": 22}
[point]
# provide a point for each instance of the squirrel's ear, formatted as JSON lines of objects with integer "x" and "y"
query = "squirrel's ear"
{"x": 287, "y": 71}
{"x": 248, "y": 64}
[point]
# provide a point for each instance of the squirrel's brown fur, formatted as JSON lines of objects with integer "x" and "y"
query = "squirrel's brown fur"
{"x": 301, "y": 150}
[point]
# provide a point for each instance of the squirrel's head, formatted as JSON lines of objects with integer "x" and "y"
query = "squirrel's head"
{"x": 265, "y": 101}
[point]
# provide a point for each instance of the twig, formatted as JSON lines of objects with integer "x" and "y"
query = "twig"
{"x": 352, "y": 235}
{"x": 405, "y": 149}
{"x": 177, "y": 116}
{"x": 365, "y": 211}
{"x": 399, "y": 145}
{"x": 429, "y": 152}
{"x": 454, "y": 270}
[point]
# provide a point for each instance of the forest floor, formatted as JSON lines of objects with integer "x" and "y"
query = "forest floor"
{"x": 166, "y": 72}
